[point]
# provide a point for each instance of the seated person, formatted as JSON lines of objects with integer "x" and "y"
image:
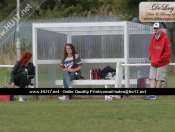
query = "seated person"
{"x": 23, "y": 67}
{"x": 71, "y": 64}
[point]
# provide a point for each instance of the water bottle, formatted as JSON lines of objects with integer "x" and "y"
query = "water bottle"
{"x": 25, "y": 72}
{"x": 138, "y": 74}
{"x": 99, "y": 76}
{"x": 96, "y": 74}
{"x": 91, "y": 74}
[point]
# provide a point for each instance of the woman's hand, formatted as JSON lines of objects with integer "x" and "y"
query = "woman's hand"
{"x": 12, "y": 85}
{"x": 68, "y": 69}
{"x": 71, "y": 70}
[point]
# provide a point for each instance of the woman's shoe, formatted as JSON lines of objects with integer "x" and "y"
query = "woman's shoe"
{"x": 21, "y": 99}
{"x": 63, "y": 98}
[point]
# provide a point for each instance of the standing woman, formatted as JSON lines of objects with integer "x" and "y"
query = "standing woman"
{"x": 70, "y": 64}
{"x": 23, "y": 67}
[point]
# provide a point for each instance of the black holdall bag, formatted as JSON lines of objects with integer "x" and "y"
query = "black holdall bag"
{"x": 106, "y": 70}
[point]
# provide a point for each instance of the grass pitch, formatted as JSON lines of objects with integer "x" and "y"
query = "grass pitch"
{"x": 123, "y": 115}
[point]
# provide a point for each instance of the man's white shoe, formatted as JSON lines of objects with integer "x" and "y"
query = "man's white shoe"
{"x": 63, "y": 98}
{"x": 20, "y": 99}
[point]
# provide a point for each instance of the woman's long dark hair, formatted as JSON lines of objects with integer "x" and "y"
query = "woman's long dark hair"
{"x": 25, "y": 57}
{"x": 65, "y": 55}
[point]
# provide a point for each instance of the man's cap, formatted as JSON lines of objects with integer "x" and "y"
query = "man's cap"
{"x": 157, "y": 25}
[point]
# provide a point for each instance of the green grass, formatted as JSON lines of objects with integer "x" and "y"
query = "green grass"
{"x": 171, "y": 83}
{"x": 132, "y": 115}
{"x": 3, "y": 72}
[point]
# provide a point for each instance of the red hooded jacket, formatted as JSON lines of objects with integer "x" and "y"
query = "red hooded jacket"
{"x": 159, "y": 50}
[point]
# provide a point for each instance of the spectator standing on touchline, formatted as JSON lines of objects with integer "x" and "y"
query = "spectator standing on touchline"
{"x": 159, "y": 53}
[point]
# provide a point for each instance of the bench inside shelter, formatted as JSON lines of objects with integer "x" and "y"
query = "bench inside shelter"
{"x": 117, "y": 83}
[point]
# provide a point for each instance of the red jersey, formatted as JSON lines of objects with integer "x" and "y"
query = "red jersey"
{"x": 159, "y": 50}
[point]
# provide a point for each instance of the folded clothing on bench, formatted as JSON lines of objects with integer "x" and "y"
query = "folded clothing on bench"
{"x": 80, "y": 77}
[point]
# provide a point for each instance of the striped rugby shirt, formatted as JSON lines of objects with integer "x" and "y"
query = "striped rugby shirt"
{"x": 68, "y": 63}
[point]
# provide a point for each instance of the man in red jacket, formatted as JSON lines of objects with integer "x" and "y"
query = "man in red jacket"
{"x": 159, "y": 53}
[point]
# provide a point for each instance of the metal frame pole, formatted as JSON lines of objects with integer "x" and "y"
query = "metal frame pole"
{"x": 18, "y": 46}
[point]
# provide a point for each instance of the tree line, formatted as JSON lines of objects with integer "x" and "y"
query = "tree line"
{"x": 123, "y": 9}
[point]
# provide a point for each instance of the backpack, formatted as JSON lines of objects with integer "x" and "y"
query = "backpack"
{"x": 106, "y": 70}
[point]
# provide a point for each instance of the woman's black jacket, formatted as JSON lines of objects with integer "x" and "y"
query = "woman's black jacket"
{"x": 16, "y": 70}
